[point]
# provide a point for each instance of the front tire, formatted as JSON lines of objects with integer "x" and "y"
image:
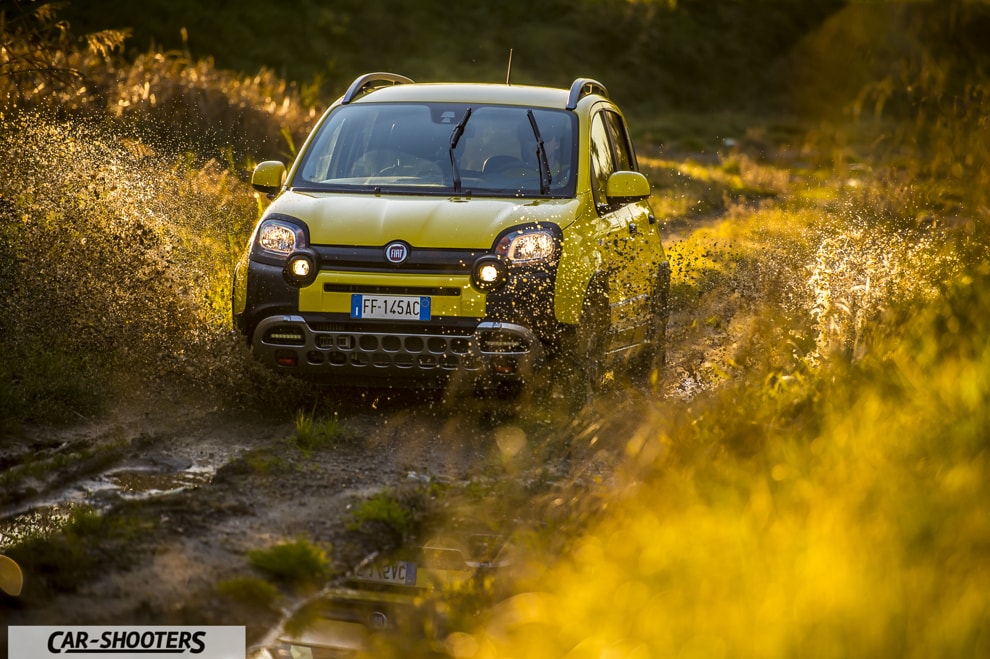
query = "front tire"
{"x": 651, "y": 361}
{"x": 584, "y": 369}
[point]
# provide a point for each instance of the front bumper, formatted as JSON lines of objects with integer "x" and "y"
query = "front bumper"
{"x": 393, "y": 355}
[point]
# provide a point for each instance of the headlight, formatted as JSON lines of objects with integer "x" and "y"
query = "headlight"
{"x": 280, "y": 237}
{"x": 527, "y": 246}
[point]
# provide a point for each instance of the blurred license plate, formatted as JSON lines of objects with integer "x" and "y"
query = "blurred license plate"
{"x": 402, "y": 573}
{"x": 390, "y": 307}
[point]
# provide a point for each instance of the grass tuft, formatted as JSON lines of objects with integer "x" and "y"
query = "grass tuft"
{"x": 385, "y": 509}
{"x": 298, "y": 563}
{"x": 314, "y": 433}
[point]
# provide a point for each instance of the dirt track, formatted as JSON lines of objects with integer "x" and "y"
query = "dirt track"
{"x": 198, "y": 486}
{"x": 205, "y": 486}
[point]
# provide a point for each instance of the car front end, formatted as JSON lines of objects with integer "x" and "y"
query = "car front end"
{"x": 467, "y": 289}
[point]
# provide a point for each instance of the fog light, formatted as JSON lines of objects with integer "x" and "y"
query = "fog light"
{"x": 490, "y": 273}
{"x": 300, "y": 268}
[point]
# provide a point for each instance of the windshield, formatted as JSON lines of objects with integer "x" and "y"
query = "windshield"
{"x": 411, "y": 148}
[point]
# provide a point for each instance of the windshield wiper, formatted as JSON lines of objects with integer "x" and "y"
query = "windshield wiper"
{"x": 455, "y": 137}
{"x": 541, "y": 155}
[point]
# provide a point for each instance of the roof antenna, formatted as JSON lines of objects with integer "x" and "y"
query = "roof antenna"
{"x": 508, "y": 74}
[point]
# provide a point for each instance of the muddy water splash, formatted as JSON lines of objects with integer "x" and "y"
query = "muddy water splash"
{"x": 116, "y": 262}
{"x": 859, "y": 275}
{"x": 113, "y": 259}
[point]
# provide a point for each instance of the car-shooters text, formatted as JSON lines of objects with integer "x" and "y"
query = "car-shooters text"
{"x": 177, "y": 642}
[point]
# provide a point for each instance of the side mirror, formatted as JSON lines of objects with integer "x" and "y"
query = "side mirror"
{"x": 268, "y": 177}
{"x": 626, "y": 187}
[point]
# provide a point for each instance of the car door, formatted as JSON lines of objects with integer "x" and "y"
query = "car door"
{"x": 628, "y": 246}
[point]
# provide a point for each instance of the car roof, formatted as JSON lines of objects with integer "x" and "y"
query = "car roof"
{"x": 452, "y": 92}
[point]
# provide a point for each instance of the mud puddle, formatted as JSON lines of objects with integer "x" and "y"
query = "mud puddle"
{"x": 128, "y": 460}
{"x": 131, "y": 480}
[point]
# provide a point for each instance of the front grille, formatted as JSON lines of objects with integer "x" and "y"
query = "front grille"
{"x": 421, "y": 260}
{"x": 386, "y": 350}
{"x": 446, "y": 327}
{"x": 446, "y": 291}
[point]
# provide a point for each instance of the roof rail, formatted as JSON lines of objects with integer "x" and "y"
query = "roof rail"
{"x": 370, "y": 82}
{"x": 581, "y": 88}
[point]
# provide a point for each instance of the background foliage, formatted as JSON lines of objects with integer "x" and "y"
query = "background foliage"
{"x": 687, "y": 53}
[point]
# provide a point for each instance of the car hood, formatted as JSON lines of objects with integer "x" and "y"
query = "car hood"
{"x": 454, "y": 222}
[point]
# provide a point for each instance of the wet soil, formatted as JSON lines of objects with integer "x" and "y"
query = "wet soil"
{"x": 196, "y": 488}
{"x": 187, "y": 487}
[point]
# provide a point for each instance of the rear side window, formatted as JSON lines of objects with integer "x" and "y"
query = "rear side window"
{"x": 611, "y": 151}
{"x": 625, "y": 159}
{"x": 602, "y": 159}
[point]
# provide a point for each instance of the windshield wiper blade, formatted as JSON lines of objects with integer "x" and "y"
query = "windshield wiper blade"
{"x": 455, "y": 137}
{"x": 541, "y": 155}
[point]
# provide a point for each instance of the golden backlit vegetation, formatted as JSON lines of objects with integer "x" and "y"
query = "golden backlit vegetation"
{"x": 811, "y": 480}
{"x": 815, "y": 497}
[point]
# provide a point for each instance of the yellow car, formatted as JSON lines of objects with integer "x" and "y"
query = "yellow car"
{"x": 433, "y": 231}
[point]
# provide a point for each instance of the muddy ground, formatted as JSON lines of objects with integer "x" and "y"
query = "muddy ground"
{"x": 188, "y": 486}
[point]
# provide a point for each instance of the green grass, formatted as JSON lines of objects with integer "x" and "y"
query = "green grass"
{"x": 34, "y": 389}
{"x": 314, "y": 433}
{"x": 836, "y": 511}
{"x": 80, "y": 548}
{"x": 385, "y": 509}
{"x": 262, "y": 461}
{"x": 297, "y": 563}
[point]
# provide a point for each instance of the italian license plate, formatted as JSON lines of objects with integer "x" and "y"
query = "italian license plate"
{"x": 390, "y": 307}
{"x": 402, "y": 573}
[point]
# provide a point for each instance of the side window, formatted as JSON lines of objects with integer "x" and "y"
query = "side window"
{"x": 317, "y": 164}
{"x": 602, "y": 160}
{"x": 625, "y": 159}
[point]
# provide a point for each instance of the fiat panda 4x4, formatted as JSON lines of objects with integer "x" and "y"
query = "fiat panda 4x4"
{"x": 428, "y": 232}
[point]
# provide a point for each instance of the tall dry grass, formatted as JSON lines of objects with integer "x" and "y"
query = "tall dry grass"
{"x": 167, "y": 98}
{"x": 815, "y": 487}
{"x": 122, "y": 207}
